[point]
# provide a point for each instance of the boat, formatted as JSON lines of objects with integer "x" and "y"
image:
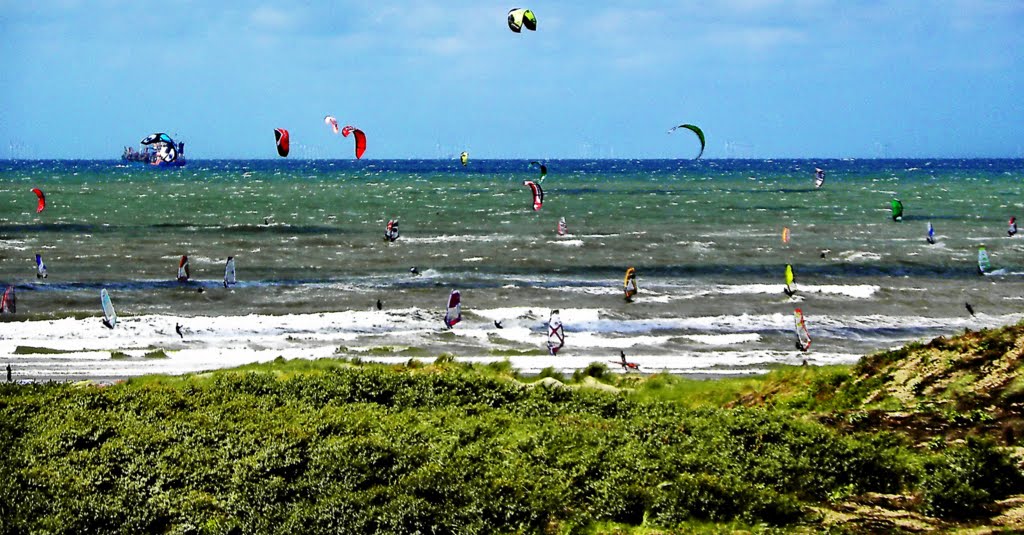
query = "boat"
{"x": 158, "y": 149}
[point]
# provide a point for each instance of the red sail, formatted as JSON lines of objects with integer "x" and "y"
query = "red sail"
{"x": 282, "y": 141}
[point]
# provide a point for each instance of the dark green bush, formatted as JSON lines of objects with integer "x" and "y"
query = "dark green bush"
{"x": 964, "y": 480}
{"x": 434, "y": 450}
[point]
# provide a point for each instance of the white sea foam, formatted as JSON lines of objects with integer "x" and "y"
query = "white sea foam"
{"x": 859, "y": 256}
{"x": 723, "y": 339}
{"x": 859, "y": 291}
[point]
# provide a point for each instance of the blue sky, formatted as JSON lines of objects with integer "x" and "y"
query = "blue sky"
{"x": 763, "y": 78}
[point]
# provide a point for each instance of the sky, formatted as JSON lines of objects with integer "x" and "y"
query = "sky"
{"x": 598, "y": 79}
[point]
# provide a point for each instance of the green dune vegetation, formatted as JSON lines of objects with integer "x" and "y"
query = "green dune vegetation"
{"x": 924, "y": 438}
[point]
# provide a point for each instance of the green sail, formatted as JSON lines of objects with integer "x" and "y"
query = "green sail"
{"x": 897, "y": 210}
{"x": 696, "y": 130}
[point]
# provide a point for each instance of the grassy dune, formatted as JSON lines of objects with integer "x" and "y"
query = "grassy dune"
{"x": 918, "y": 439}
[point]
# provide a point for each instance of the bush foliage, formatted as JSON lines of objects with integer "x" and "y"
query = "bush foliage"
{"x": 435, "y": 449}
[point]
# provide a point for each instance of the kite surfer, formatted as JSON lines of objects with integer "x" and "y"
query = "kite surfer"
{"x": 177, "y": 329}
{"x": 969, "y": 308}
{"x": 497, "y": 323}
{"x": 379, "y": 305}
{"x": 1013, "y": 226}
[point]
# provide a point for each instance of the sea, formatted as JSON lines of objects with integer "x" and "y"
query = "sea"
{"x": 705, "y": 238}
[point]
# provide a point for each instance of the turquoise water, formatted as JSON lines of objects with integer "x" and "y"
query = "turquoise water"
{"x": 704, "y": 237}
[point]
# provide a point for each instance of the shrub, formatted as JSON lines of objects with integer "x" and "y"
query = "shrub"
{"x": 963, "y": 480}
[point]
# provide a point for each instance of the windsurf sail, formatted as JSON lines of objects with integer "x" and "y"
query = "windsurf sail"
{"x": 803, "y": 338}
{"x": 40, "y": 267}
{"x": 543, "y": 170}
{"x": 109, "y": 316}
{"x": 183, "y": 272}
{"x": 453, "y": 313}
{"x": 819, "y": 177}
{"x": 229, "y": 272}
{"x": 391, "y": 232}
{"x": 931, "y": 233}
{"x": 695, "y": 130}
{"x": 1013, "y": 226}
{"x": 519, "y": 18}
{"x": 556, "y": 335}
{"x": 360, "y": 139}
{"x": 561, "y": 226}
{"x": 629, "y": 286}
{"x": 464, "y": 158}
{"x": 281, "y": 136}
{"x": 790, "y": 285}
{"x": 984, "y": 266}
{"x": 785, "y": 234}
{"x": 331, "y": 122}
{"x": 538, "y": 194}
{"x": 897, "y": 210}
{"x": 8, "y": 303}
{"x": 41, "y": 199}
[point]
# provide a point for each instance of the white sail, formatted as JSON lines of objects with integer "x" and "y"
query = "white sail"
{"x": 109, "y": 316}
{"x": 556, "y": 334}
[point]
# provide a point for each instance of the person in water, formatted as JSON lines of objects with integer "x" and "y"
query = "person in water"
{"x": 414, "y": 270}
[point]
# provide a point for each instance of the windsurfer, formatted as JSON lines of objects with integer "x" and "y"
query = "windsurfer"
{"x": 391, "y": 232}
{"x": 107, "y": 324}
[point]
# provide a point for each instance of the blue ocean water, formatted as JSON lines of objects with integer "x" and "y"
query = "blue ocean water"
{"x": 704, "y": 237}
